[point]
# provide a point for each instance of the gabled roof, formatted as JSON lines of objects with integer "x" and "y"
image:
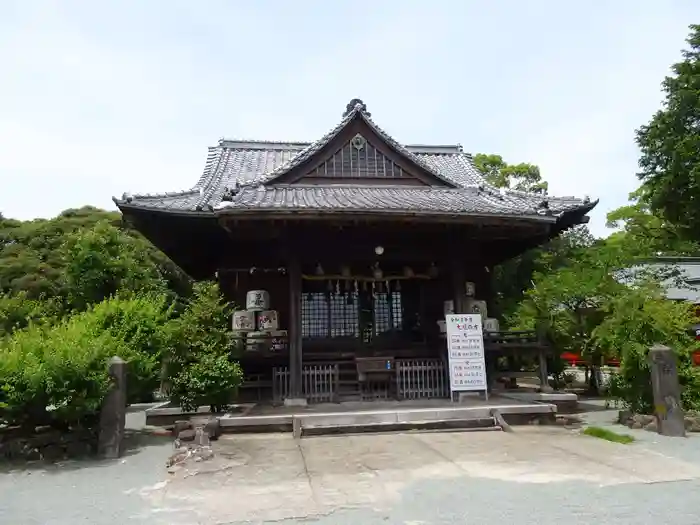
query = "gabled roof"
{"x": 242, "y": 176}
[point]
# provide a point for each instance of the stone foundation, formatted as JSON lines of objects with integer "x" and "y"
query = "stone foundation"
{"x": 47, "y": 444}
{"x": 648, "y": 422}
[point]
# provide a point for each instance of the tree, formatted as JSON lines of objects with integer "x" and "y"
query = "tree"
{"x": 40, "y": 258}
{"x": 636, "y": 318}
{"x": 99, "y": 262}
{"x": 522, "y": 177}
{"x": 569, "y": 301}
{"x": 670, "y": 145}
{"x": 514, "y": 277}
{"x": 646, "y": 233}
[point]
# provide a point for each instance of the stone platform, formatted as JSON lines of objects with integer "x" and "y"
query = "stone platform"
{"x": 566, "y": 402}
{"x": 388, "y": 416}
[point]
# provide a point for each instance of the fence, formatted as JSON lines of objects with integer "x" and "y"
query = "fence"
{"x": 422, "y": 379}
{"x": 319, "y": 383}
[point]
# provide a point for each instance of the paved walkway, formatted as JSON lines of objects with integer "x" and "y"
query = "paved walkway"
{"x": 538, "y": 475}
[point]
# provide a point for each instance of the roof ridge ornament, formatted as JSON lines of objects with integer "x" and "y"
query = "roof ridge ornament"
{"x": 356, "y": 104}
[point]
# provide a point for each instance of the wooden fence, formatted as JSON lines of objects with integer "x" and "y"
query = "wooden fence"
{"x": 319, "y": 383}
{"x": 422, "y": 379}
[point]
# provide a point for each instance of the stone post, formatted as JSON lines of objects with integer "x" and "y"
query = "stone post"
{"x": 667, "y": 391}
{"x": 113, "y": 414}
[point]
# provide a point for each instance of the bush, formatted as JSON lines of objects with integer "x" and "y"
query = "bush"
{"x": 141, "y": 324}
{"x": 55, "y": 375}
{"x": 64, "y": 366}
{"x": 201, "y": 368}
{"x": 210, "y": 380}
{"x": 17, "y": 311}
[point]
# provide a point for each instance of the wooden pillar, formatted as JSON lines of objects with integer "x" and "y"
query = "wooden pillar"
{"x": 458, "y": 279}
{"x": 295, "y": 353}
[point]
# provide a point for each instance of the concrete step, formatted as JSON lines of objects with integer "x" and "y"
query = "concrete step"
{"x": 308, "y": 422}
{"x": 325, "y": 426}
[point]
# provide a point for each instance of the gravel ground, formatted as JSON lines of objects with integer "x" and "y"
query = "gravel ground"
{"x": 538, "y": 475}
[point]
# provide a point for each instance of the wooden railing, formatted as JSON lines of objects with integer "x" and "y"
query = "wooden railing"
{"x": 319, "y": 383}
{"x": 422, "y": 379}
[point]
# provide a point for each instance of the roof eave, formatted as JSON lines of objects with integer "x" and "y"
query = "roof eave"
{"x": 233, "y": 210}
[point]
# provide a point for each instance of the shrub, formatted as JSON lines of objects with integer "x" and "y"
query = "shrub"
{"x": 210, "y": 380}
{"x": 201, "y": 368}
{"x": 141, "y": 324}
{"x": 55, "y": 375}
{"x": 18, "y": 310}
{"x": 64, "y": 366}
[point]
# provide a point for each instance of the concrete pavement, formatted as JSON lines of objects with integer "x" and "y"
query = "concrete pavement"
{"x": 538, "y": 475}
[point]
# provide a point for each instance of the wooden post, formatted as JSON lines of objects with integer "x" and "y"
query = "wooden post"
{"x": 458, "y": 279}
{"x": 296, "y": 396}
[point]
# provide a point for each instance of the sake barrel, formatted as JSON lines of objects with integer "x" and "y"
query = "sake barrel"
{"x": 257, "y": 300}
{"x": 474, "y": 306}
{"x": 257, "y": 341}
{"x": 279, "y": 340}
{"x": 243, "y": 321}
{"x": 491, "y": 324}
{"x": 448, "y": 307}
{"x": 268, "y": 320}
{"x": 470, "y": 289}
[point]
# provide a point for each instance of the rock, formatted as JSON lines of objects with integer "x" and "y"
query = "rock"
{"x": 646, "y": 419}
{"x": 624, "y": 416}
{"x": 213, "y": 429}
{"x": 186, "y": 435}
{"x": 77, "y": 449}
{"x": 201, "y": 437}
{"x": 33, "y": 455}
{"x": 52, "y": 452}
{"x": 180, "y": 425}
{"x": 692, "y": 423}
{"x": 636, "y": 425}
{"x": 652, "y": 426}
{"x": 46, "y": 439}
{"x": 177, "y": 458}
{"x": 203, "y": 453}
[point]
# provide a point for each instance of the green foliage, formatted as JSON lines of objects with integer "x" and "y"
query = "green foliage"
{"x": 670, "y": 145}
{"x": 514, "y": 277}
{"x": 100, "y": 261}
{"x": 637, "y": 318}
{"x": 608, "y": 435}
{"x": 203, "y": 326}
{"x": 522, "y": 177}
{"x": 202, "y": 339}
{"x": 64, "y": 365}
{"x": 141, "y": 325}
{"x": 645, "y": 233}
{"x": 61, "y": 258}
{"x": 55, "y": 375}
{"x": 212, "y": 379}
{"x": 18, "y": 311}
{"x": 568, "y": 300}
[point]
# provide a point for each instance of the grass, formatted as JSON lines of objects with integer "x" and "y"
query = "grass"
{"x": 608, "y": 435}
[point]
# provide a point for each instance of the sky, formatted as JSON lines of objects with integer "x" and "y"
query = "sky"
{"x": 98, "y": 97}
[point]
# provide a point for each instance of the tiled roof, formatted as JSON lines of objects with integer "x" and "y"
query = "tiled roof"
{"x": 240, "y": 176}
{"x": 388, "y": 199}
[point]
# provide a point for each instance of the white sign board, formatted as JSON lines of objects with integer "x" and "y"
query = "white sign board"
{"x": 465, "y": 347}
